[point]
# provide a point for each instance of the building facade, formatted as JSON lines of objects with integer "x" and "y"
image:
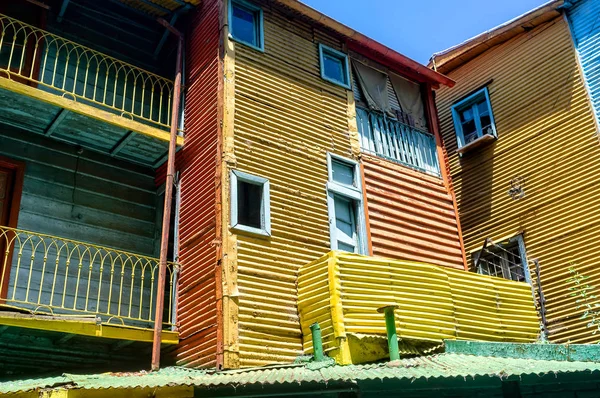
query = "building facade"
{"x": 301, "y": 139}
{"x": 522, "y": 138}
{"x": 319, "y": 140}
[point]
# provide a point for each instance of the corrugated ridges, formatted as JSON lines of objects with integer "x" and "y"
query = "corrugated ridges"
{"x": 427, "y": 367}
{"x": 410, "y": 214}
{"x": 585, "y": 25}
{"x": 197, "y": 162}
{"x": 286, "y": 119}
{"x": 435, "y": 303}
{"x": 547, "y": 135}
{"x": 314, "y": 303}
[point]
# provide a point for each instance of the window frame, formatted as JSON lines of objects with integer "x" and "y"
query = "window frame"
{"x": 265, "y": 210}
{"x": 520, "y": 241}
{"x": 260, "y": 21}
{"x": 352, "y": 193}
{"x": 323, "y": 49}
{"x": 460, "y": 106}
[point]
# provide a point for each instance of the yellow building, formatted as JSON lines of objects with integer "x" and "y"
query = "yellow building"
{"x": 321, "y": 140}
{"x": 523, "y": 153}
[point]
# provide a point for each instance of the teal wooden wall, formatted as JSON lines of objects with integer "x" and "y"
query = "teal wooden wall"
{"x": 105, "y": 202}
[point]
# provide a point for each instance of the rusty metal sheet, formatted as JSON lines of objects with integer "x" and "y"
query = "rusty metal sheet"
{"x": 197, "y": 315}
{"x": 411, "y": 215}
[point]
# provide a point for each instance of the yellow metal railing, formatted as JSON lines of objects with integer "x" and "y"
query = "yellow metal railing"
{"x": 44, "y": 273}
{"x": 36, "y": 57}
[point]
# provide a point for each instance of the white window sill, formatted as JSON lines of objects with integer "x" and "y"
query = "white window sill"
{"x": 484, "y": 139}
{"x": 246, "y": 230}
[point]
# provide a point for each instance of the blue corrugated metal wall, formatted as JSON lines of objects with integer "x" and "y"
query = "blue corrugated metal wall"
{"x": 584, "y": 17}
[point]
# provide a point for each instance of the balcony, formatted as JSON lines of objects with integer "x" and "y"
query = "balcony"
{"x": 50, "y": 275}
{"x": 391, "y": 139}
{"x": 343, "y": 292}
{"x": 59, "y": 88}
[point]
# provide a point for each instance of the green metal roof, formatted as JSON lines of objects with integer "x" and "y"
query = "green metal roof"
{"x": 447, "y": 365}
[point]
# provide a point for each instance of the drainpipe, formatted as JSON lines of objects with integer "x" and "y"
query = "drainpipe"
{"x": 164, "y": 242}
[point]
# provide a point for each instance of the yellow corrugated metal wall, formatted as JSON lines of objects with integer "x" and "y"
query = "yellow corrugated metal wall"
{"x": 343, "y": 291}
{"x": 286, "y": 119}
{"x": 547, "y": 136}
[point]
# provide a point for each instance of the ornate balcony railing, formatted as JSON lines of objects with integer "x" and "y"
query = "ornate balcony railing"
{"x": 63, "y": 67}
{"x": 397, "y": 141}
{"x": 49, "y": 274}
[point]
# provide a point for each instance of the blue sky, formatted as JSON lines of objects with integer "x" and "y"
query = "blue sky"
{"x": 419, "y": 28}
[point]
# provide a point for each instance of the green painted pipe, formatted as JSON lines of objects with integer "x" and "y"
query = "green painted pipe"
{"x": 392, "y": 334}
{"x": 317, "y": 341}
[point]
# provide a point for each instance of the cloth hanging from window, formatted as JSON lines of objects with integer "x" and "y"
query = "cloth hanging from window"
{"x": 374, "y": 86}
{"x": 409, "y": 97}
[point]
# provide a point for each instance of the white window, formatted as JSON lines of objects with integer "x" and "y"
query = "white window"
{"x": 334, "y": 66}
{"x": 507, "y": 259}
{"x": 345, "y": 202}
{"x": 246, "y": 24}
{"x": 473, "y": 118}
{"x": 250, "y": 204}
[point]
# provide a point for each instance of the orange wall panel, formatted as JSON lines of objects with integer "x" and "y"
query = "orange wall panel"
{"x": 196, "y": 313}
{"x": 411, "y": 216}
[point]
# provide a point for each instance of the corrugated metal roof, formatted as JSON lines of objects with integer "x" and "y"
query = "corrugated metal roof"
{"x": 435, "y": 366}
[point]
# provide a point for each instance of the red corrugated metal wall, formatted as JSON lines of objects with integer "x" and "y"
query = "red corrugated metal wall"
{"x": 411, "y": 215}
{"x": 196, "y": 162}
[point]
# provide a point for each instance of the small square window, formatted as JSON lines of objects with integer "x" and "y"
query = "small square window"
{"x": 250, "y": 203}
{"x": 473, "y": 118}
{"x": 246, "y": 24}
{"x": 343, "y": 172}
{"x": 506, "y": 260}
{"x": 334, "y": 66}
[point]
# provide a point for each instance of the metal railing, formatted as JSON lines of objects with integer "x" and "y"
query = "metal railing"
{"x": 397, "y": 141}
{"x": 63, "y": 67}
{"x": 44, "y": 273}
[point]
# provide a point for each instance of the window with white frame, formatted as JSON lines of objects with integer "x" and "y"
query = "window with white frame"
{"x": 507, "y": 259}
{"x": 473, "y": 118}
{"x": 334, "y": 66}
{"x": 345, "y": 203}
{"x": 246, "y": 24}
{"x": 250, "y": 204}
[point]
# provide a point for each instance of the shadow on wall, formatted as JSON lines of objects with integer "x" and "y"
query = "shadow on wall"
{"x": 529, "y": 124}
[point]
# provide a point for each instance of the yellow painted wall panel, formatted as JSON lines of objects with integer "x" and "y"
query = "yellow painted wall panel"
{"x": 433, "y": 303}
{"x": 547, "y": 136}
{"x": 286, "y": 120}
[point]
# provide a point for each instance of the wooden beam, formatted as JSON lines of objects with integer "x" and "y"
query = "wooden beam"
{"x": 86, "y": 110}
{"x": 165, "y": 35}
{"x": 85, "y": 326}
{"x": 122, "y": 143}
{"x": 161, "y": 160}
{"x": 63, "y": 9}
{"x": 65, "y": 338}
{"x": 60, "y": 116}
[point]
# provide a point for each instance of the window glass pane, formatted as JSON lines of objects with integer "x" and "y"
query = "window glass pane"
{"x": 503, "y": 261}
{"x": 345, "y": 224}
{"x": 249, "y": 202}
{"x": 346, "y": 248}
{"x": 333, "y": 68}
{"x": 342, "y": 173}
{"x": 244, "y": 26}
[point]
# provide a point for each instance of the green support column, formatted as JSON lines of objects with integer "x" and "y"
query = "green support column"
{"x": 317, "y": 341}
{"x": 392, "y": 334}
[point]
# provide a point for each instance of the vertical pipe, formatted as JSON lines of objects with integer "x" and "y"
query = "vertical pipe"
{"x": 164, "y": 243}
{"x": 317, "y": 341}
{"x": 390, "y": 328}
